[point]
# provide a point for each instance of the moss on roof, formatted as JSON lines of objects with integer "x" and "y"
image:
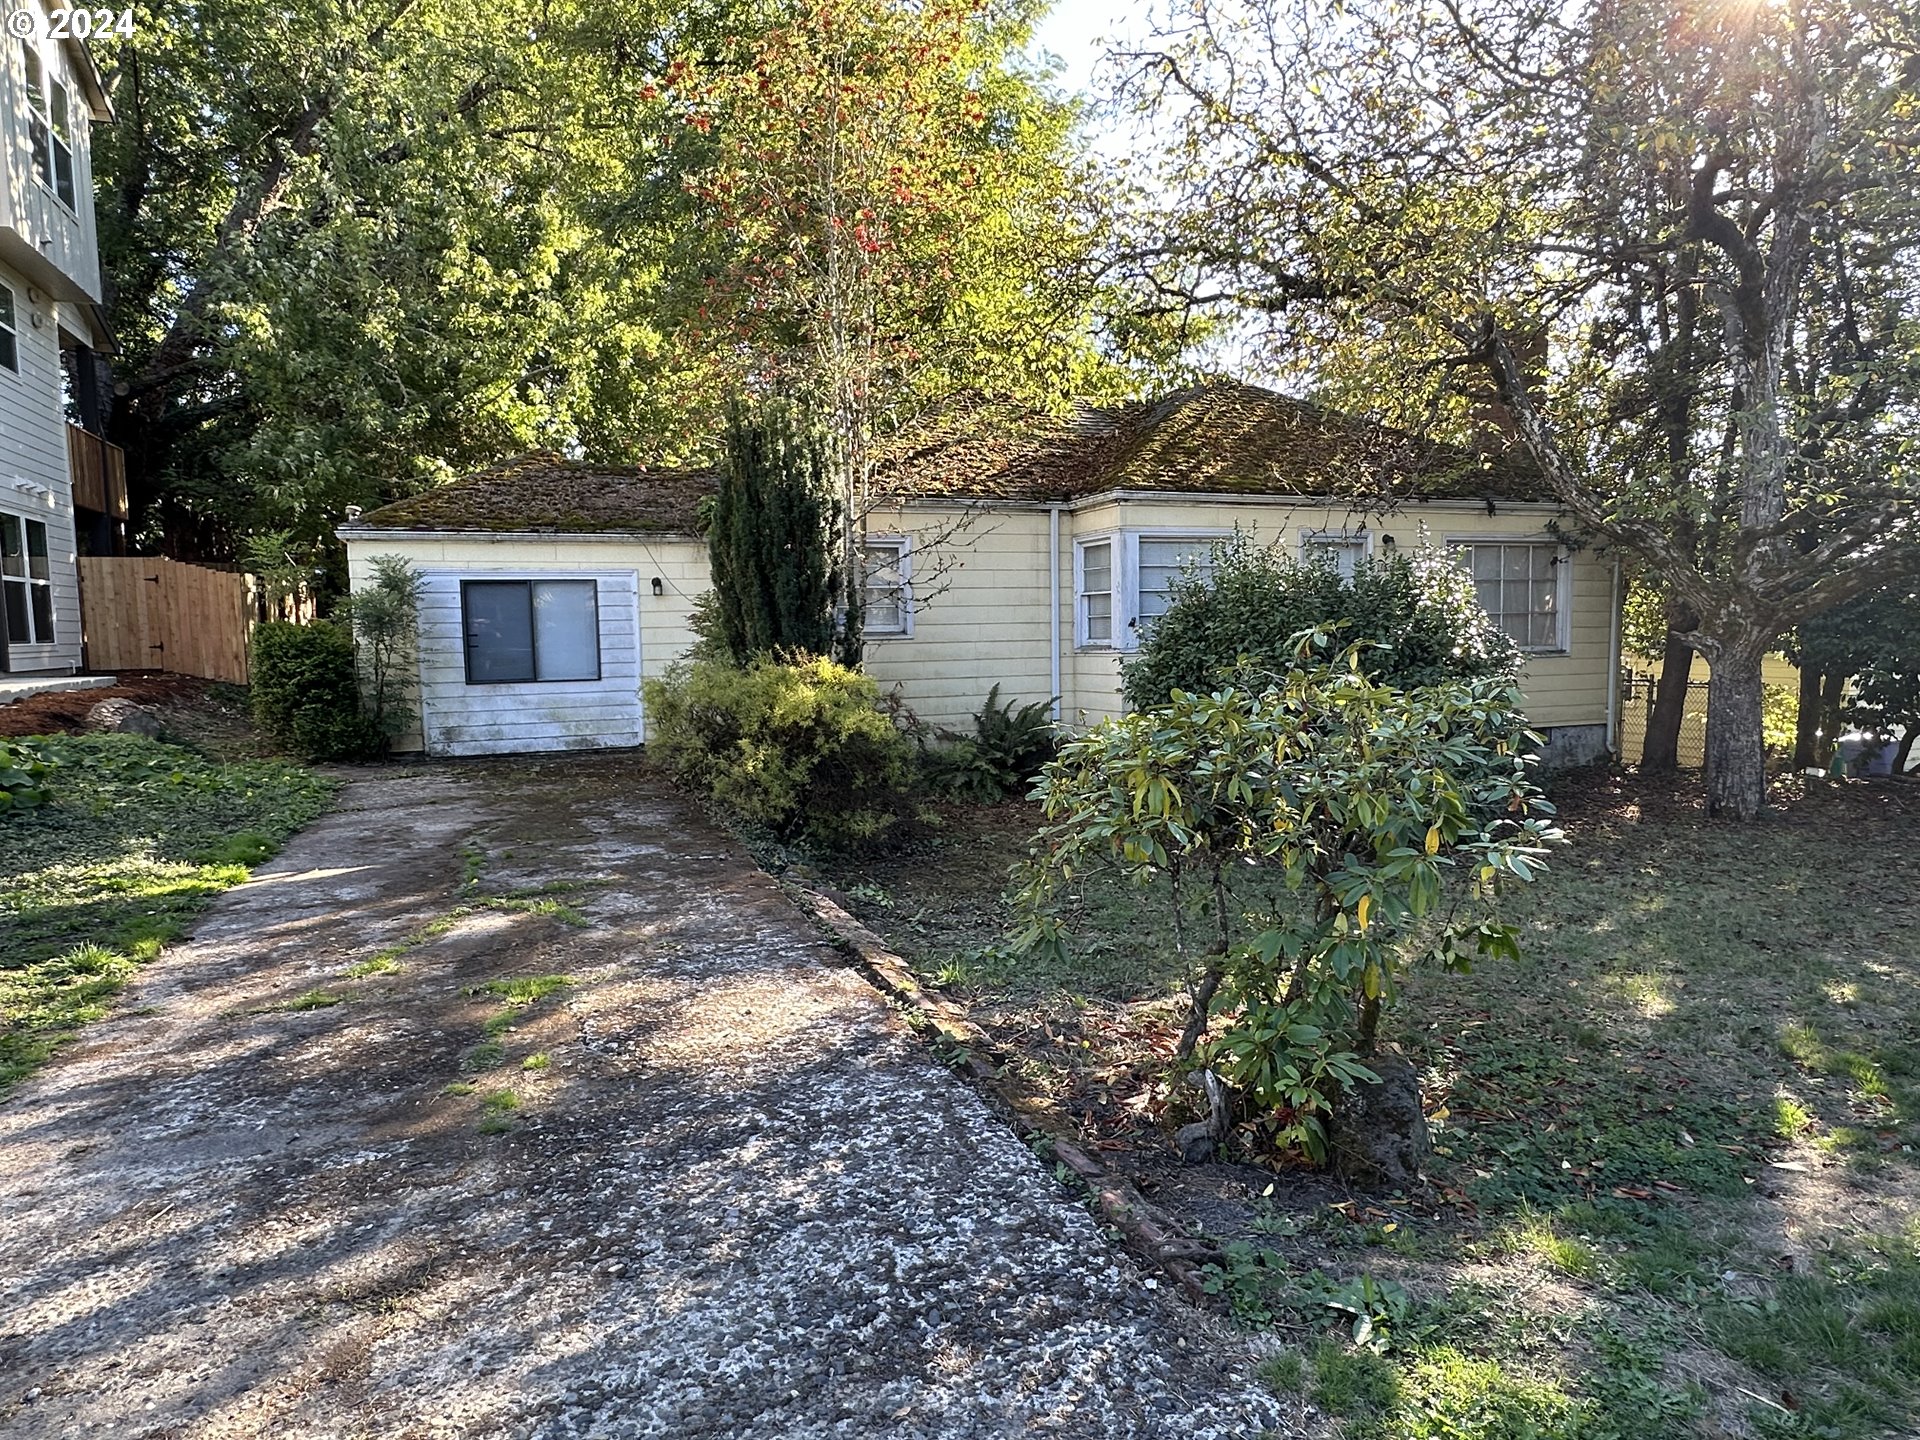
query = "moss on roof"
{"x": 542, "y": 492}
{"x": 1217, "y": 438}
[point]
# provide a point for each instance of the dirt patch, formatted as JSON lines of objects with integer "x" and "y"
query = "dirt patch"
{"x": 204, "y": 713}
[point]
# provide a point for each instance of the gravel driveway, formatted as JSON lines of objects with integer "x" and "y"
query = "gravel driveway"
{"x": 709, "y": 1186}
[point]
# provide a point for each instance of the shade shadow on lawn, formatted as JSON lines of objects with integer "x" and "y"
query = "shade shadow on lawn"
{"x": 138, "y": 837}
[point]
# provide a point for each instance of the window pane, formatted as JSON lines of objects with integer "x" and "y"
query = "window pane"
{"x": 1099, "y": 617}
{"x": 37, "y": 550}
{"x": 58, "y": 109}
{"x": 42, "y": 613}
{"x": 16, "y": 594}
{"x": 1096, "y": 568}
{"x": 1486, "y": 561}
{"x": 1545, "y": 631}
{"x": 9, "y": 353}
{"x": 7, "y": 321}
{"x": 12, "y": 556}
{"x": 499, "y": 622}
{"x": 883, "y": 615}
{"x": 566, "y": 630}
{"x": 63, "y": 173}
{"x": 882, "y": 565}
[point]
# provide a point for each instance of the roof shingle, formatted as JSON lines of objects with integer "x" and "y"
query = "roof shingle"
{"x": 1217, "y": 438}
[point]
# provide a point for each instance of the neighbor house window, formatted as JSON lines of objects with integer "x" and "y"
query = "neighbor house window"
{"x": 1520, "y": 586}
{"x": 26, "y": 581}
{"x": 1093, "y": 592}
{"x": 9, "y": 331}
{"x": 888, "y": 596}
{"x": 1163, "y": 561}
{"x": 1343, "y": 550}
{"x": 527, "y": 630}
{"x": 49, "y": 126}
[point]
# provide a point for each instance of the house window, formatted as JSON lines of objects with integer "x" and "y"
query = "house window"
{"x": 1520, "y": 586}
{"x": 1093, "y": 592}
{"x": 1342, "y": 549}
{"x": 49, "y": 126}
{"x": 888, "y": 597}
{"x": 9, "y": 331}
{"x": 530, "y": 630}
{"x": 26, "y": 581}
{"x": 1163, "y": 561}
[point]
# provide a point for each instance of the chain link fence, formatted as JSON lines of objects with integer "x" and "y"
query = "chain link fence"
{"x": 1636, "y": 707}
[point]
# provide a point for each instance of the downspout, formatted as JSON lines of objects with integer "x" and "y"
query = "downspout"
{"x": 1053, "y": 606}
{"x": 1613, "y": 667}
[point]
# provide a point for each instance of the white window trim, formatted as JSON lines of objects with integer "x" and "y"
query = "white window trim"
{"x": 1127, "y": 632}
{"x": 13, "y": 308}
{"x": 26, "y": 559}
{"x": 1562, "y": 580}
{"x": 1312, "y": 539}
{"x": 49, "y": 81}
{"x": 1115, "y": 579}
{"x": 902, "y": 546}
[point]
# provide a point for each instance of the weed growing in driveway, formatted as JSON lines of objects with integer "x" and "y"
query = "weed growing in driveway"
{"x": 540, "y": 1060}
{"x": 376, "y": 965}
{"x": 485, "y": 1056}
{"x": 310, "y": 1000}
{"x": 138, "y": 837}
{"x": 523, "y": 990}
{"x": 497, "y": 1108}
{"x": 457, "y": 1088}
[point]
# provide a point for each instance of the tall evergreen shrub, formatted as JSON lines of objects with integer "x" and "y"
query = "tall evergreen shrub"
{"x": 774, "y": 538}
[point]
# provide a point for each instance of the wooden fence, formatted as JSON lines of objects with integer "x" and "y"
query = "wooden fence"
{"x": 150, "y": 613}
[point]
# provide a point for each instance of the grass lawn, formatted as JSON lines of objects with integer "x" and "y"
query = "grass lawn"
{"x": 1677, "y": 1190}
{"x": 139, "y": 835}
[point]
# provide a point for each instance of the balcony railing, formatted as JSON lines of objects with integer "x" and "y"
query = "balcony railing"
{"x": 99, "y": 472}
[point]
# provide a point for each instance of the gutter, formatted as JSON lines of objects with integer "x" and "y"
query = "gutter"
{"x": 1613, "y": 663}
{"x": 1053, "y": 603}
{"x": 362, "y": 533}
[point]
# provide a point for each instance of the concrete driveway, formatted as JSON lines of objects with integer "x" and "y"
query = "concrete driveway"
{"x": 707, "y": 1186}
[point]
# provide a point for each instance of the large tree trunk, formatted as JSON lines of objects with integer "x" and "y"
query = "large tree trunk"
{"x": 1736, "y": 755}
{"x": 1660, "y": 753}
{"x": 1806, "y": 725}
{"x": 1903, "y": 752}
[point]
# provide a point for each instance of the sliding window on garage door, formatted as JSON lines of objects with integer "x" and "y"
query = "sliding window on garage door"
{"x": 521, "y": 631}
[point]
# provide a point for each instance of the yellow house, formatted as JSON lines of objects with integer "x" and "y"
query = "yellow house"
{"x": 1028, "y": 555}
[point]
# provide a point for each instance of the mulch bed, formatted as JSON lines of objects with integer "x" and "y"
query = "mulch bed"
{"x": 64, "y": 712}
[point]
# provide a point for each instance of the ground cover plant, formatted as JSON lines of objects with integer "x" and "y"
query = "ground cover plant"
{"x": 137, "y": 836}
{"x": 1675, "y": 1190}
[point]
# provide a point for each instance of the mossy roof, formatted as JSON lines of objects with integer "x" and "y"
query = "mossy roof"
{"x": 1217, "y": 438}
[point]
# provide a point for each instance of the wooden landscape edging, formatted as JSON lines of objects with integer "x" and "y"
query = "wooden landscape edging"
{"x": 1150, "y": 1231}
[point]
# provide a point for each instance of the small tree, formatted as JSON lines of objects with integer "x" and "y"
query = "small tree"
{"x": 1307, "y": 830}
{"x": 385, "y": 619}
{"x": 774, "y": 540}
{"x": 1415, "y": 617}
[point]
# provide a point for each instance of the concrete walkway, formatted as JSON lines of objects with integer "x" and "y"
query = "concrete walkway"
{"x": 735, "y": 1197}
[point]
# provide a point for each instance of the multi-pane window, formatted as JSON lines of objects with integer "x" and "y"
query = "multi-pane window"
{"x": 49, "y": 126}
{"x": 527, "y": 630}
{"x": 888, "y": 594}
{"x": 1519, "y": 586}
{"x": 1342, "y": 551}
{"x": 26, "y": 581}
{"x": 1164, "y": 561}
{"x": 1093, "y": 600}
{"x": 9, "y": 331}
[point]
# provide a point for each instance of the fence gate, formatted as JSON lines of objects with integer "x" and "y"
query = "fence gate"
{"x": 1636, "y": 708}
{"x": 150, "y": 613}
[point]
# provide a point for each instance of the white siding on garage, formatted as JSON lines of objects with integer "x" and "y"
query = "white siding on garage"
{"x": 463, "y": 719}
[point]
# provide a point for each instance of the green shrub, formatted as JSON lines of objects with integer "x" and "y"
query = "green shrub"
{"x": 801, "y": 748}
{"x": 306, "y": 692}
{"x": 1421, "y": 606}
{"x": 1006, "y": 751}
{"x": 1320, "y": 836}
{"x": 24, "y": 768}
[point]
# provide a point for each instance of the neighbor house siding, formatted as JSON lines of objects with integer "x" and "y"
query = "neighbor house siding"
{"x": 640, "y": 633}
{"x": 34, "y": 482}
